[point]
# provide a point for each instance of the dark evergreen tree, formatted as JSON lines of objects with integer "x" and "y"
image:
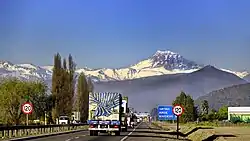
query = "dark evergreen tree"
{"x": 187, "y": 103}
{"x": 204, "y": 107}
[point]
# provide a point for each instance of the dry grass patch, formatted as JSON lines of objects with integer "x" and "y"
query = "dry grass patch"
{"x": 201, "y": 134}
{"x": 237, "y": 132}
{"x": 241, "y": 133}
{"x": 190, "y": 131}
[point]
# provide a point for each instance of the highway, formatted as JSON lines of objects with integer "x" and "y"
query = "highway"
{"x": 143, "y": 132}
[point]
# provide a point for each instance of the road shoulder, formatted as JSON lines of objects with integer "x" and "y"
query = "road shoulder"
{"x": 148, "y": 132}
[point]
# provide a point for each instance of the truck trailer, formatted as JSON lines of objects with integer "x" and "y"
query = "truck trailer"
{"x": 125, "y": 112}
{"x": 105, "y": 110}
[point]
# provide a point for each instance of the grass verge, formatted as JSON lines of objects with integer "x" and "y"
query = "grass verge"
{"x": 206, "y": 131}
{"x": 189, "y": 131}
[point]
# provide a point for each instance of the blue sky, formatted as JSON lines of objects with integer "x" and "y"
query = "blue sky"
{"x": 117, "y": 33}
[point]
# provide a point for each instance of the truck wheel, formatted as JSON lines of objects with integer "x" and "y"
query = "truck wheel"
{"x": 117, "y": 133}
{"x": 95, "y": 133}
{"x": 91, "y": 133}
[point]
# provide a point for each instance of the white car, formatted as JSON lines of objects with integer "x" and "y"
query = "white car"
{"x": 132, "y": 124}
{"x": 138, "y": 120}
{"x": 63, "y": 120}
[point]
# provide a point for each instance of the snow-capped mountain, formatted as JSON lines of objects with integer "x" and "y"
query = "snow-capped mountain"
{"x": 172, "y": 61}
{"x": 162, "y": 62}
{"x": 25, "y": 71}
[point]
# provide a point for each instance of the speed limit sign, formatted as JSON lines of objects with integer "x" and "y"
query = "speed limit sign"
{"x": 178, "y": 110}
{"x": 27, "y": 108}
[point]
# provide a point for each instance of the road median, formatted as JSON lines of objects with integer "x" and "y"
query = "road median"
{"x": 32, "y": 132}
{"x": 44, "y": 135}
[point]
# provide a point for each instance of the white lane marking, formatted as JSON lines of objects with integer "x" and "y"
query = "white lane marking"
{"x": 68, "y": 140}
{"x": 124, "y": 138}
{"x": 83, "y": 135}
{"x": 76, "y": 137}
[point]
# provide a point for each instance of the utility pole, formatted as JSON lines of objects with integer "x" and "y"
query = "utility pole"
{"x": 45, "y": 118}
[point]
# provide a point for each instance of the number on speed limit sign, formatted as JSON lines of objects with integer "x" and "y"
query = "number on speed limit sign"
{"x": 178, "y": 110}
{"x": 27, "y": 108}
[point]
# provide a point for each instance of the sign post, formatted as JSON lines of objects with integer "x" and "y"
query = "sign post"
{"x": 27, "y": 108}
{"x": 45, "y": 118}
{"x": 178, "y": 111}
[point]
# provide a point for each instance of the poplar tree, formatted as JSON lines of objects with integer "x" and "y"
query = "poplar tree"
{"x": 56, "y": 85}
{"x": 79, "y": 94}
{"x": 83, "y": 93}
{"x": 63, "y": 85}
{"x": 90, "y": 85}
{"x": 65, "y": 99}
{"x": 84, "y": 87}
{"x": 71, "y": 81}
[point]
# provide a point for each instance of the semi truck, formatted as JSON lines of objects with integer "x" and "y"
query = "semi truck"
{"x": 125, "y": 112}
{"x": 105, "y": 110}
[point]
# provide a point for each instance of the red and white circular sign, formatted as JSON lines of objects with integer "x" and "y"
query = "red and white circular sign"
{"x": 178, "y": 110}
{"x": 27, "y": 108}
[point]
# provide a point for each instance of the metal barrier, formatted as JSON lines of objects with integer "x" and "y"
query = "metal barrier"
{"x": 32, "y": 130}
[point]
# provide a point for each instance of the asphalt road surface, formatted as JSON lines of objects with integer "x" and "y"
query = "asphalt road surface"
{"x": 143, "y": 132}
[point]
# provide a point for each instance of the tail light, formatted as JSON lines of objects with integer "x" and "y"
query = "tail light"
{"x": 116, "y": 126}
{"x": 91, "y": 126}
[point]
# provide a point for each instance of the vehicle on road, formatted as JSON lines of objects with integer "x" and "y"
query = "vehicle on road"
{"x": 125, "y": 114}
{"x": 76, "y": 122}
{"x": 132, "y": 125}
{"x": 133, "y": 121}
{"x": 105, "y": 110}
{"x": 64, "y": 120}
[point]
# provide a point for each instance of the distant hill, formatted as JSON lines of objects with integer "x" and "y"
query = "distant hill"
{"x": 146, "y": 93}
{"x": 154, "y": 113}
{"x": 247, "y": 78}
{"x": 238, "y": 95}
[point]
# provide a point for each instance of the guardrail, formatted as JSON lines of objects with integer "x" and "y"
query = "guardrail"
{"x": 7, "y": 132}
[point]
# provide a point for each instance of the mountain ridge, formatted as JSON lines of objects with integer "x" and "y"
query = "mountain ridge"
{"x": 164, "y": 89}
{"x": 160, "y": 63}
{"x": 247, "y": 77}
{"x": 236, "y": 95}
